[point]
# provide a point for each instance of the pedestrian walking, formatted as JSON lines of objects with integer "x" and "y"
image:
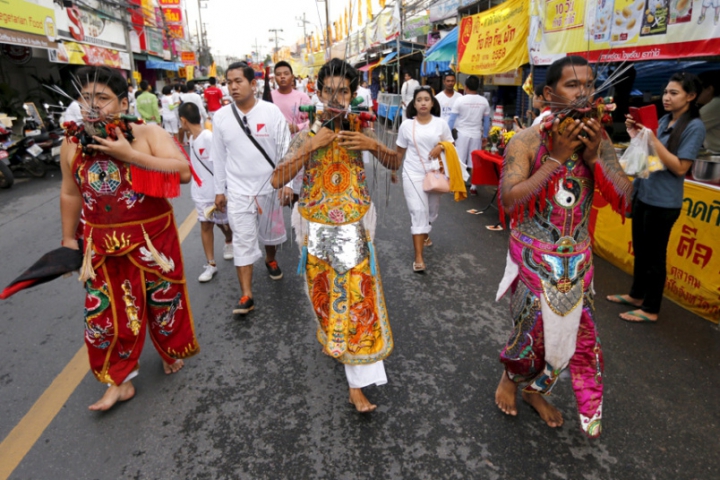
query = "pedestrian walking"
{"x": 132, "y": 268}
{"x": 469, "y": 115}
{"x": 406, "y": 92}
{"x": 334, "y": 222}
{"x": 249, "y": 137}
{"x": 169, "y": 115}
{"x": 447, "y": 97}
{"x": 203, "y": 193}
{"x": 213, "y": 96}
{"x": 147, "y": 104}
{"x": 546, "y": 188}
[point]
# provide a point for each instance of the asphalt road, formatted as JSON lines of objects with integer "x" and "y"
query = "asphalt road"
{"x": 261, "y": 401}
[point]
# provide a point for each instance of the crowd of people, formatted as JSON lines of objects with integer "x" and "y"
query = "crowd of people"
{"x": 261, "y": 156}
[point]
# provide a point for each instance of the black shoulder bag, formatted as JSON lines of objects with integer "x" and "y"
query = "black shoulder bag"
{"x": 246, "y": 129}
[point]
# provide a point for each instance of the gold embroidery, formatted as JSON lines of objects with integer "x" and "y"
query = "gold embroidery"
{"x": 112, "y": 243}
{"x": 130, "y": 308}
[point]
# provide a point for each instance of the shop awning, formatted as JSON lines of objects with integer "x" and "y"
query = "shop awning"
{"x": 369, "y": 66}
{"x": 439, "y": 56}
{"x": 163, "y": 65}
{"x": 388, "y": 59}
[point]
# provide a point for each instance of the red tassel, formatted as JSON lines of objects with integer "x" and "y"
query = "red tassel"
{"x": 192, "y": 170}
{"x": 616, "y": 200}
{"x": 155, "y": 183}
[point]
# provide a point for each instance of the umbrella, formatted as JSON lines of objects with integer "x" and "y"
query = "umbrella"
{"x": 50, "y": 266}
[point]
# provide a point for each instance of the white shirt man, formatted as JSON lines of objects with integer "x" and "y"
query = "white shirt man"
{"x": 407, "y": 91}
{"x": 446, "y": 103}
{"x": 242, "y": 174}
{"x": 366, "y": 95}
{"x": 468, "y": 116}
{"x": 193, "y": 97}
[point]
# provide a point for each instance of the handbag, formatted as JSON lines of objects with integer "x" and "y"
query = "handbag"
{"x": 435, "y": 181}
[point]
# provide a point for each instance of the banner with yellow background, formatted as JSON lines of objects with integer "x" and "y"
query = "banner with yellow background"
{"x": 693, "y": 261}
{"x": 495, "y": 41}
{"x": 623, "y": 30}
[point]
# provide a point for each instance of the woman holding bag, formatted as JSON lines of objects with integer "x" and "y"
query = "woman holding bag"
{"x": 658, "y": 198}
{"x": 420, "y": 136}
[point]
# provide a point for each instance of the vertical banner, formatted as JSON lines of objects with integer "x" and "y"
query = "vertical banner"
{"x": 495, "y": 41}
{"x": 693, "y": 253}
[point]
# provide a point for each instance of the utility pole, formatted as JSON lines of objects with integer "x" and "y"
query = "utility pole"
{"x": 400, "y": 32}
{"x": 202, "y": 27}
{"x": 275, "y": 31}
{"x": 304, "y": 22}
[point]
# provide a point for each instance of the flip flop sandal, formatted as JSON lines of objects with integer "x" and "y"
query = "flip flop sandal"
{"x": 418, "y": 267}
{"x": 619, "y": 300}
{"x": 643, "y": 318}
{"x": 494, "y": 228}
{"x": 428, "y": 242}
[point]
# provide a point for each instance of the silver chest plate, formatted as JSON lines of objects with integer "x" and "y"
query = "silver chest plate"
{"x": 342, "y": 246}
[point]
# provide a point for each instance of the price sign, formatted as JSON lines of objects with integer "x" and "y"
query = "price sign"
{"x": 564, "y": 15}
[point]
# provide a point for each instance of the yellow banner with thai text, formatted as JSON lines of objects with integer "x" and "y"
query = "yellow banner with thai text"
{"x": 495, "y": 41}
{"x": 28, "y": 17}
{"x": 693, "y": 253}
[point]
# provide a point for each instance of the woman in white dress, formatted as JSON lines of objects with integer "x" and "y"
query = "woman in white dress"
{"x": 419, "y": 140}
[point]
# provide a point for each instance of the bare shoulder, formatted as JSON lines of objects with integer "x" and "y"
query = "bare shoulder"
{"x": 68, "y": 150}
{"x": 154, "y": 140}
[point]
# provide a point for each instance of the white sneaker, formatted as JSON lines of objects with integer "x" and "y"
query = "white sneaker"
{"x": 228, "y": 251}
{"x": 207, "y": 275}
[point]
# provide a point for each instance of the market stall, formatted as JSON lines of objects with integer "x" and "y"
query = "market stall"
{"x": 693, "y": 262}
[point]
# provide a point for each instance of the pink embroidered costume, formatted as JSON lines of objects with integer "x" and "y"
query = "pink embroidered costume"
{"x": 549, "y": 273}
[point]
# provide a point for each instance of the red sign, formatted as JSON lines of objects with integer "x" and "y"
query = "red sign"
{"x": 169, "y": 3}
{"x": 188, "y": 58}
{"x": 172, "y": 15}
{"x": 176, "y": 31}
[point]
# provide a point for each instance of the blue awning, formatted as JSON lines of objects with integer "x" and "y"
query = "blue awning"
{"x": 387, "y": 59}
{"x": 438, "y": 57}
{"x": 163, "y": 65}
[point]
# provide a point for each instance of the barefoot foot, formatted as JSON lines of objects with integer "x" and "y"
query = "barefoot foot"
{"x": 505, "y": 395}
{"x": 362, "y": 404}
{"x": 113, "y": 395}
{"x": 174, "y": 367}
{"x": 547, "y": 412}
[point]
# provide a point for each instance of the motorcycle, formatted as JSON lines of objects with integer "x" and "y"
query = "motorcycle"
{"x": 6, "y": 176}
{"x": 48, "y": 141}
{"x": 20, "y": 154}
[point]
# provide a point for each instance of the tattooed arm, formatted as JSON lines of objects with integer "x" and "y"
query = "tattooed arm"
{"x": 517, "y": 185}
{"x": 298, "y": 154}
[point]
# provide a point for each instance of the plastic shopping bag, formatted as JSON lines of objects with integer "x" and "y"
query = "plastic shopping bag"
{"x": 640, "y": 159}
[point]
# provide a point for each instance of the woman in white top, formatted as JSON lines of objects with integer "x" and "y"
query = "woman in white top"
{"x": 419, "y": 140}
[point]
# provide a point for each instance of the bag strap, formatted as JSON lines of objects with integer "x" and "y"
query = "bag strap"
{"x": 192, "y": 149}
{"x": 244, "y": 128}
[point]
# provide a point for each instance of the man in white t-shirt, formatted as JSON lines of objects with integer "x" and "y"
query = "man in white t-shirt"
{"x": 243, "y": 169}
{"x": 447, "y": 97}
{"x": 468, "y": 116}
{"x": 204, "y": 194}
{"x": 407, "y": 91}
{"x": 364, "y": 92}
{"x": 191, "y": 96}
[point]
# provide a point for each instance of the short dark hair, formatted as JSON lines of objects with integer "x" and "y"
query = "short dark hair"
{"x": 212, "y": 80}
{"x": 555, "y": 71}
{"x": 283, "y": 63}
{"x": 338, "y": 68}
{"x": 177, "y": 87}
{"x": 247, "y": 70}
{"x": 448, "y": 75}
{"x": 412, "y": 110}
{"x": 167, "y": 90}
{"x": 183, "y": 89}
{"x": 540, "y": 90}
{"x": 690, "y": 83}
{"x": 472, "y": 83}
{"x": 144, "y": 85}
{"x": 105, "y": 75}
{"x": 190, "y": 112}
{"x": 711, "y": 79}
{"x": 191, "y": 85}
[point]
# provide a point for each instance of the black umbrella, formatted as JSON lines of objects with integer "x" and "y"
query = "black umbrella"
{"x": 50, "y": 266}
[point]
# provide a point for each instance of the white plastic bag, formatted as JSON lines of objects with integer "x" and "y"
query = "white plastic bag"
{"x": 640, "y": 158}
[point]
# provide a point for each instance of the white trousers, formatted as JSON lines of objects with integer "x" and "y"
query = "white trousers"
{"x": 361, "y": 376}
{"x": 423, "y": 206}
{"x": 254, "y": 219}
{"x": 464, "y": 146}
